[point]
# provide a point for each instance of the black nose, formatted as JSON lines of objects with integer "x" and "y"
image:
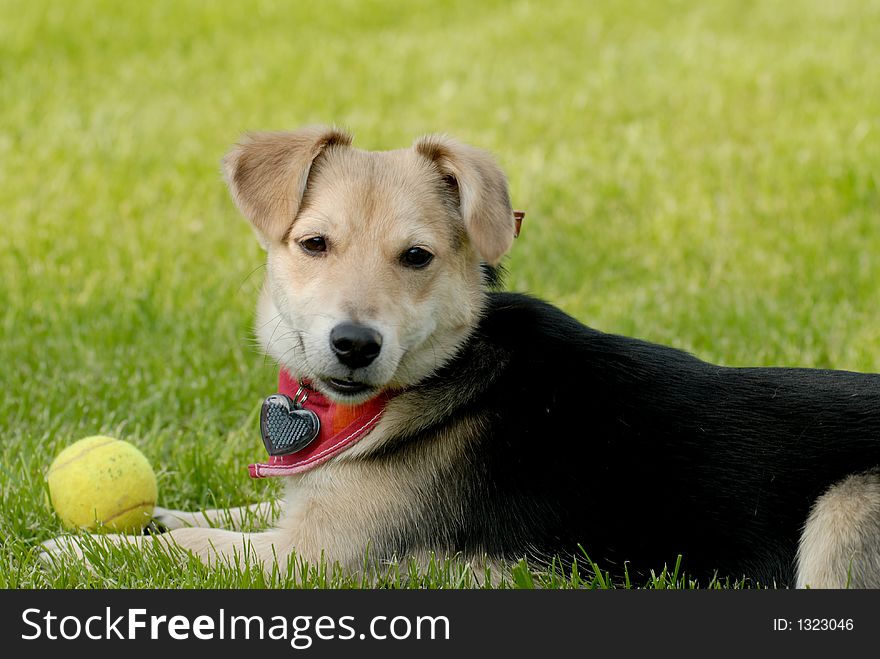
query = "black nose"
{"x": 355, "y": 345}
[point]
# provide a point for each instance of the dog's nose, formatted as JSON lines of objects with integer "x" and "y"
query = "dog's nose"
{"x": 355, "y": 345}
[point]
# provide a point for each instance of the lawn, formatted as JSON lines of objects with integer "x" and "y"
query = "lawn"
{"x": 705, "y": 175}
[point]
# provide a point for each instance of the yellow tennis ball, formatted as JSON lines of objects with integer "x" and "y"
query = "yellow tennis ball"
{"x": 102, "y": 483}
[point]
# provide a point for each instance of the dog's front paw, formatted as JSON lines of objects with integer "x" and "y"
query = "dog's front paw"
{"x": 85, "y": 548}
{"x": 64, "y": 547}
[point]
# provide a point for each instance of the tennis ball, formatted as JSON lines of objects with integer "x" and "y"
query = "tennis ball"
{"x": 102, "y": 483}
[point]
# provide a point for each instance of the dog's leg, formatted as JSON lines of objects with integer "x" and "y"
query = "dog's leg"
{"x": 209, "y": 545}
{"x": 232, "y": 518}
{"x": 840, "y": 545}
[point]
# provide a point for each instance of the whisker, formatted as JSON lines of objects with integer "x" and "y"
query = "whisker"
{"x": 269, "y": 343}
{"x": 250, "y": 274}
{"x": 278, "y": 315}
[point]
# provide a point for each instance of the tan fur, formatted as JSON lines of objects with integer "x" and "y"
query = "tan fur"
{"x": 334, "y": 511}
{"x": 840, "y": 545}
{"x": 370, "y": 207}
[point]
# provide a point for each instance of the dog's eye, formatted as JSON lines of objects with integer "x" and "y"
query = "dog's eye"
{"x": 314, "y": 245}
{"x": 416, "y": 257}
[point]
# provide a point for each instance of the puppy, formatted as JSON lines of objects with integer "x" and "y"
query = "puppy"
{"x": 458, "y": 420}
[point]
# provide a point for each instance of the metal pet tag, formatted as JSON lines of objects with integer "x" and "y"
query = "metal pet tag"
{"x": 286, "y": 426}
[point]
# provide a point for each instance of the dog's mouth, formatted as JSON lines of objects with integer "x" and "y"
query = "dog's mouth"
{"x": 347, "y": 387}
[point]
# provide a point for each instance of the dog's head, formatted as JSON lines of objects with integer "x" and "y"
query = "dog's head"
{"x": 374, "y": 258}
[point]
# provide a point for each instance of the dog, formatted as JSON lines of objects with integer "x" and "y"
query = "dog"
{"x": 465, "y": 421}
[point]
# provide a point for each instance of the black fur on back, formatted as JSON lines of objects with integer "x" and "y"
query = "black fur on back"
{"x": 634, "y": 451}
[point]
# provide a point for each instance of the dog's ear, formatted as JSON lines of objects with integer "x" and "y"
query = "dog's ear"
{"x": 267, "y": 175}
{"x": 482, "y": 193}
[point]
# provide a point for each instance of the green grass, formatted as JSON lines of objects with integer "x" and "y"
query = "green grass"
{"x": 704, "y": 175}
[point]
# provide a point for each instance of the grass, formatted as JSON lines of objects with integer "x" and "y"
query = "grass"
{"x": 699, "y": 174}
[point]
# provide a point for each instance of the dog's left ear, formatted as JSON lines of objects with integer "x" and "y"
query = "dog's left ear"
{"x": 482, "y": 193}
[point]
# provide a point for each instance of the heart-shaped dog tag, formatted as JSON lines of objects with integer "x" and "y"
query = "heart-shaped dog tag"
{"x": 286, "y": 426}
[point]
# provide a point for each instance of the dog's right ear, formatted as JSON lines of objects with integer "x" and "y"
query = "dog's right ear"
{"x": 267, "y": 175}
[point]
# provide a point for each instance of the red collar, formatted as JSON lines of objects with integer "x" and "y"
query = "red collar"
{"x": 341, "y": 427}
